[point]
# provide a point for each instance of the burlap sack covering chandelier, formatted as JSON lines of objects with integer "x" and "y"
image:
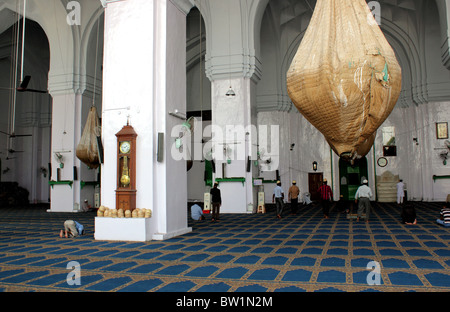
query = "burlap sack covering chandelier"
{"x": 87, "y": 150}
{"x": 345, "y": 78}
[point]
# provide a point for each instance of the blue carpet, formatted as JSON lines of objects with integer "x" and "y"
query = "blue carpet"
{"x": 299, "y": 275}
{"x": 241, "y": 253}
{"x": 109, "y": 284}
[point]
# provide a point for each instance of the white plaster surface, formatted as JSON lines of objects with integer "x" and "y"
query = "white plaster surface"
{"x": 123, "y": 229}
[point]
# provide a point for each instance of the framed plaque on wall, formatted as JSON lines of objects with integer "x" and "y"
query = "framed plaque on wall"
{"x": 442, "y": 130}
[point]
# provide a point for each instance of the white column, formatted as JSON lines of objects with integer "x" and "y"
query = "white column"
{"x": 234, "y": 139}
{"x": 233, "y": 61}
{"x": 144, "y": 78}
{"x": 66, "y": 124}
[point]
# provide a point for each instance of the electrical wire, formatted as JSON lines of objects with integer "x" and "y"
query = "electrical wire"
{"x": 96, "y": 64}
{"x": 13, "y": 81}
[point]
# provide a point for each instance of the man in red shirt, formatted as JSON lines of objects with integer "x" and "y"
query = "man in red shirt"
{"x": 326, "y": 196}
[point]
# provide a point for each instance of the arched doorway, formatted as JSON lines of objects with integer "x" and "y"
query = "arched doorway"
{"x": 351, "y": 176}
{"x": 25, "y": 124}
{"x": 198, "y": 105}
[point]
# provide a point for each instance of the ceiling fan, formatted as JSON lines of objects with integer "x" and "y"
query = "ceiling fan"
{"x": 14, "y": 151}
{"x": 23, "y": 87}
{"x": 13, "y": 135}
{"x": 10, "y": 152}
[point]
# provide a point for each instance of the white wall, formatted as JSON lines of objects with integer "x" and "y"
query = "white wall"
{"x": 310, "y": 146}
{"x": 156, "y": 60}
{"x": 175, "y": 188}
{"x": 124, "y": 97}
{"x": 195, "y": 176}
{"x": 417, "y": 163}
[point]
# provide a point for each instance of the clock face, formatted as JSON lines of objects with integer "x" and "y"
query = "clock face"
{"x": 125, "y": 147}
{"x": 382, "y": 162}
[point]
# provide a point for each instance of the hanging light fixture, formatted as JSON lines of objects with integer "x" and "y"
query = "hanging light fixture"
{"x": 314, "y": 165}
{"x": 200, "y": 60}
{"x": 230, "y": 92}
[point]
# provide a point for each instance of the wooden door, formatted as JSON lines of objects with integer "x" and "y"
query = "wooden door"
{"x": 314, "y": 182}
{"x": 351, "y": 176}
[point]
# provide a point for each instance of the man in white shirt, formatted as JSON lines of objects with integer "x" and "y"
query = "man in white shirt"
{"x": 363, "y": 194}
{"x": 400, "y": 192}
{"x": 278, "y": 198}
{"x": 85, "y": 207}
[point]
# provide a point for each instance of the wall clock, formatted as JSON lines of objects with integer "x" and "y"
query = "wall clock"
{"x": 382, "y": 161}
{"x": 125, "y": 147}
{"x": 126, "y": 169}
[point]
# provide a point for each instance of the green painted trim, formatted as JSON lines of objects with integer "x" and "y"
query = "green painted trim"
{"x": 265, "y": 181}
{"x": 208, "y": 173}
{"x": 375, "y": 171}
{"x": 332, "y": 171}
{"x": 435, "y": 177}
{"x": 85, "y": 183}
{"x": 67, "y": 182}
{"x": 218, "y": 180}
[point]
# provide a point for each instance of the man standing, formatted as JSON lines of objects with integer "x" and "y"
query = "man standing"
{"x": 293, "y": 193}
{"x": 400, "y": 192}
{"x": 363, "y": 193}
{"x": 278, "y": 198}
{"x": 326, "y": 195}
{"x": 216, "y": 201}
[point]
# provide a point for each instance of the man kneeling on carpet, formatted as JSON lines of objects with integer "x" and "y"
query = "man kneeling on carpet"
{"x": 445, "y": 216}
{"x": 409, "y": 215}
{"x": 197, "y": 213}
{"x": 71, "y": 229}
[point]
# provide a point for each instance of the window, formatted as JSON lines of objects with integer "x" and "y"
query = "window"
{"x": 389, "y": 148}
{"x": 388, "y": 136}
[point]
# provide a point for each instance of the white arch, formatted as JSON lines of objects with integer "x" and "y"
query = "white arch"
{"x": 444, "y": 16}
{"x": 63, "y": 40}
{"x": 89, "y": 30}
{"x": 56, "y": 30}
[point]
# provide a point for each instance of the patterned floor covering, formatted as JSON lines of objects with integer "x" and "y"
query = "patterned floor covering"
{"x": 241, "y": 253}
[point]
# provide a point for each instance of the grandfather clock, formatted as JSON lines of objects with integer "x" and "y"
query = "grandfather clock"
{"x": 126, "y": 169}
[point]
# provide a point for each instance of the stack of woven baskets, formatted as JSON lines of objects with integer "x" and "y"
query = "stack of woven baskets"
{"x": 120, "y": 213}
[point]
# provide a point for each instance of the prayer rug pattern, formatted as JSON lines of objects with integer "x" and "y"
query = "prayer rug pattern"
{"x": 241, "y": 253}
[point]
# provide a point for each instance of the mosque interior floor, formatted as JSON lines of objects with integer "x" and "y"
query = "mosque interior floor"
{"x": 241, "y": 253}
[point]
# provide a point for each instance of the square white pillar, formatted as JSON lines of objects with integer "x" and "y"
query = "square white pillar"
{"x": 234, "y": 140}
{"x": 144, "y": 79}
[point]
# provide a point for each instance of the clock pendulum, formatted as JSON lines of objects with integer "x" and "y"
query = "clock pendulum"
{"x": 125, "y": 177}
